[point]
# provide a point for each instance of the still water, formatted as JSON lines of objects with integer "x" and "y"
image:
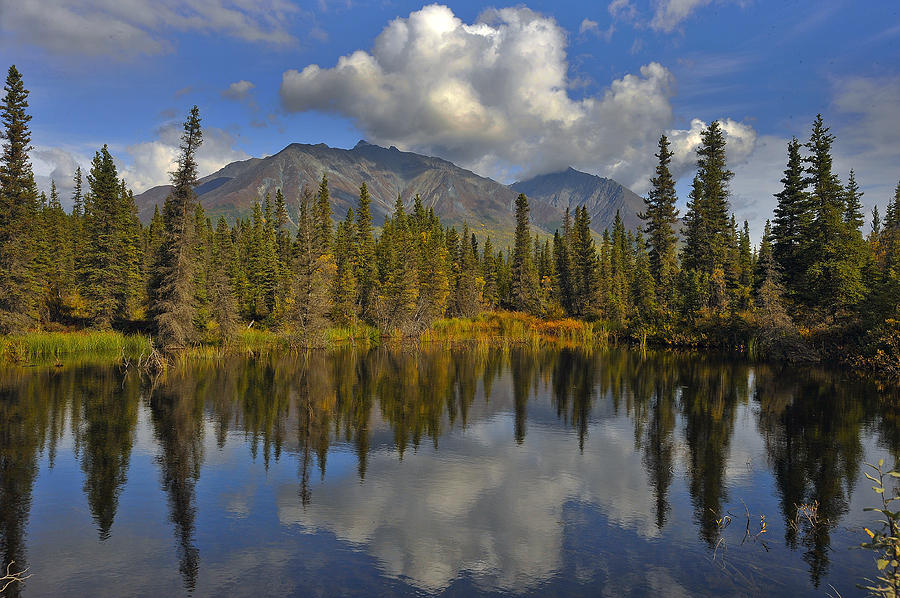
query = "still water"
{"x": 436, "y": 471}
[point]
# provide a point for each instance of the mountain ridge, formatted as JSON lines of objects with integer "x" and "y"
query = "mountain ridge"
{"x": 457, "y": 195}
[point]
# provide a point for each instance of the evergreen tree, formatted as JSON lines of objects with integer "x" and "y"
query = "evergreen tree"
{"x": 834, "y": 275}
{"x": 171, "y": 293}
{"x": 643, "y": 285}
{"x": 585, "y": 284}
{"x": 434, "y": 286}
{"x": 365, "y": 268}
{"x": 398, "y": 297}
{"x": 19, "y": 287}
{"x": 103, "y": 282}
{"x": 316, "y": 270}
{"x": 322, "y": 218}
{"x": 765, "y": 259}
{"x": 60, "y": 276}
{"x": 563, "y": 280}
{"x": 524, "y": 281}
{"x": 344, "y": 290}
{"x": 619, "y": 272}
{"x": 710, "y": 239}
{"x": 490, "y": 294}
{"x": 222, "y": 303}
{"x": 132, "y": 296}
{"x": 660, "y": 216}
{"x": 853, "y": 215}
{"x": 467, "y": 297}
{"x": 791, "y": 231}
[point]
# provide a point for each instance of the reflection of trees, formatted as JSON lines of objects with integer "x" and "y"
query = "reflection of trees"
{"x": 811, "y": 429}
{"x": 709, "y": 398}
{"x": 573, "y": 380}
{"x": 810, "y": 422}
{"x": 25, "y": 415}
{"x": 108, "y": 417}
{"x": 654, "y": 388}
{"x": 176, "y": 412}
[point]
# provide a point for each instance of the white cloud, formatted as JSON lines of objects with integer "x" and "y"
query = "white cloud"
{"x": 151, "y": 162}
{"x": 589, "y": 25}
{"x": 238, "y": 90}
{"x": 127, "y": 27}
{"x": 58, "y": 165}
{"x": 593, "y": 27}
{"x": 740, "y": 141}
{"x": 143, "y": 165}
{"x": 493, "y": 510}
{"x": 492, "y": 96}
{"x": 874, "y": 105}
{"x": 622, "y": 10}
{"x": 670, "y": 13}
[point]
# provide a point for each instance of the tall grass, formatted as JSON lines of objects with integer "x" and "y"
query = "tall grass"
{"x": 515, "y": 327}
{"x": 39, "y": 347}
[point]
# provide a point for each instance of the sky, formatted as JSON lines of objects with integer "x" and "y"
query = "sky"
{"x": 506, "y": 90}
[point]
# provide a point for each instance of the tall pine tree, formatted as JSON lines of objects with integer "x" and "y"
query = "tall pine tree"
{"x": 172, "y": 292}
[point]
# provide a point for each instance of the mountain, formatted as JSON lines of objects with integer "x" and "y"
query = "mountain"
{"x": 457, "y": 195}
{"x": 571, "y": 189}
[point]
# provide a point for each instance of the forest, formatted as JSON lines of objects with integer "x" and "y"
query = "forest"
{"x": 814, "y": 288}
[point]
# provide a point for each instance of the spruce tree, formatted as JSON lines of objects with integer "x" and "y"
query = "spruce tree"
{"x": 490, "y": 294}
{"x": 103, "y": 275}
{"x": 364, "y": 266}
{"x": 322, "y": 218}
{"x": 791, "y": 230}
{"x": 660, "y": 216}
{"x": 222, "y": 303}
{"x": 834, "y": 275}
{"x": 316, "y": 270}
{"x": 434, "y": 286}
{"x": 853, "y": 215}
{"x": 132, "y": 295}
{"x": 19, "y": 287}
{"x": 524, "y": 282}
{"x": 344, "y": 289}
{"x": 172, "y": 292}
{"x": 710, "y": 239}
{"x": 585, "y": 284}
{"x": 467, "y": 296}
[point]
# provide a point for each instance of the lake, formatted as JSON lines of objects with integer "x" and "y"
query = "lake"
{"x": 471, "y": 470}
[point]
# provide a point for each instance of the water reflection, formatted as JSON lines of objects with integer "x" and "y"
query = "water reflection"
{"x": 473, "y": 465}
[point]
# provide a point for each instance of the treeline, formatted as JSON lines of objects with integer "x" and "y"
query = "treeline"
{"x": 189, "y": 279}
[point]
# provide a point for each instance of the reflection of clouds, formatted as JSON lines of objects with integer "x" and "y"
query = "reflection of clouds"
{"x": 480, "y": 506}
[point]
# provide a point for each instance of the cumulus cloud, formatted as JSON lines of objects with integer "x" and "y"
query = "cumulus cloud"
{"x": 58, "y": 165}
{"x": 151, "y": 161}
{"x": 491, "y": 510}
{"x": 238, "y": 90}
{"x": 129, "y": 27}
{"x": 492, "y": 96}
{"x": 740, "y": 141}
{"x": 143, "y": 165}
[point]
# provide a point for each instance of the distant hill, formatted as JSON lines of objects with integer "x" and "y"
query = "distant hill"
{"x": 457, "y": 195}
{"x": 571, "y": 189}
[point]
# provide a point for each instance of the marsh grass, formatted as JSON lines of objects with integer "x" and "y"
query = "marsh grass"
{"x": 504, "y": 328}
{"x": 516, "y": 328}
{"x": 48, "y": 347}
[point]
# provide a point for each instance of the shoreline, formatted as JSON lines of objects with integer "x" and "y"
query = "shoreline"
{"x": 737, "y": 337}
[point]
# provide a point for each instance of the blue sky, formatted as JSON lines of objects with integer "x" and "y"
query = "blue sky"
{"x": 506, "y": 90}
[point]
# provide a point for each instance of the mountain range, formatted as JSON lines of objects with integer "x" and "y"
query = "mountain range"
{"x": 457, "y": 195}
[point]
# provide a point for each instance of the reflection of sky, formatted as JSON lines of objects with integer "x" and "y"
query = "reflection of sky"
{"x": 480, "y": 513}
{"x": 480, "y": 505}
